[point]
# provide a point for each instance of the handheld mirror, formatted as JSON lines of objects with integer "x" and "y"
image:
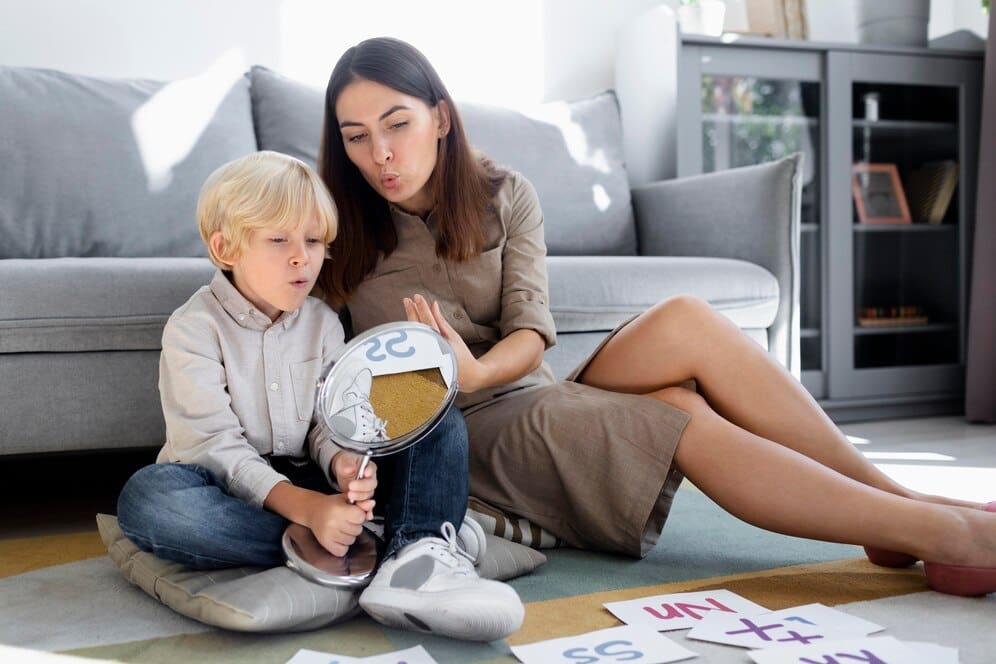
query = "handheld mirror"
{"x": 390, "y": 387}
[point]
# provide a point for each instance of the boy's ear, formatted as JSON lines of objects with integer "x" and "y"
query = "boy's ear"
{"x": 216, "y": 245}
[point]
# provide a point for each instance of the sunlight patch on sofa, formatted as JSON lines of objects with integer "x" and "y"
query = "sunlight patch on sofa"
{"x": 167, "y": 127}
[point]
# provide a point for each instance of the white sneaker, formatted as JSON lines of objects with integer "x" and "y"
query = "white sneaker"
{"x": 431, "y": 586}
{"x": 352, "y": 414}
{"x": 472, "y": 540}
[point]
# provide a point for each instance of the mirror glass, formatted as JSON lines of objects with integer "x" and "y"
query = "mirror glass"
{"x": 390, "y": 387}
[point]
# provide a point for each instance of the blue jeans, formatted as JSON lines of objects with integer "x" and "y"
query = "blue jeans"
{"x": 181, "y": 512}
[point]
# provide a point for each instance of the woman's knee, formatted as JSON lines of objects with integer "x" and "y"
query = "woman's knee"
{"x": 682, "y": 306}
{"x": 684, "y": 399}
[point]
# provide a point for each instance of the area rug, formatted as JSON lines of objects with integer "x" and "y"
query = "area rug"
{"x": 62, "y": 594}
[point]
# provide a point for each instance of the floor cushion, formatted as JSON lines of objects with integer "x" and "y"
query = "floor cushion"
{"x": 254, "y": 599}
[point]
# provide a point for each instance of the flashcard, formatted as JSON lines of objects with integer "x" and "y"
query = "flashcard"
{"x": 401, "y": 352}
{"x": 798, "y": 625}
{"x": 616, "y": 644}
{"x": 681, "y": 610}
{"x": 824, "y": 616}
{"x": 875, "y": 650}
{"x": 763, "y": 631}
{"x": 416, "y": 655}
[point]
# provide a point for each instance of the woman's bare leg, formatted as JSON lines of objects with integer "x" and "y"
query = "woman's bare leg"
{"x": 779, "y": 489}
{"x": 682, "y": 338}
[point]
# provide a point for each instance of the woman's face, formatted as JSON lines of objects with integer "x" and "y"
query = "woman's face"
{"x": 393, "y": 139}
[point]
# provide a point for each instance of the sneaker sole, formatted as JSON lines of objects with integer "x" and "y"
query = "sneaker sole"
{"x": 447, "y": 614}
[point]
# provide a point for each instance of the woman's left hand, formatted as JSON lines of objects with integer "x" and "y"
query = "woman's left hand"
{"x": 470, "y": 371}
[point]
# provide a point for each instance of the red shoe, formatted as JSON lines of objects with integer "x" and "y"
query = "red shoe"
{"x": 886, "y": 558}
{"x": 957, "y": 580}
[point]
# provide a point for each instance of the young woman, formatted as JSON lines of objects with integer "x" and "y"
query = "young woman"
{"x": 432, "y": 231}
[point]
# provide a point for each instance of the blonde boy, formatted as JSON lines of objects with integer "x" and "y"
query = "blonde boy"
{"x": 237, "y": 377}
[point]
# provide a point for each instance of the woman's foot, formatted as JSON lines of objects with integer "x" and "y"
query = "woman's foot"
{"x": 972, "y": 555}
{"x": 886, "y": 558}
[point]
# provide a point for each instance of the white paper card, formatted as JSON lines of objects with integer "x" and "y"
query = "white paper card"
{"x": 875, "y": 650}
{"x": 681, "y": 610}
{"x": 416, "y": 655}
{"x": 795, "y": 626}
{"x": 823, "y": 615}
{"x": 399, "y": 351}
{"x": 616, "y": 644}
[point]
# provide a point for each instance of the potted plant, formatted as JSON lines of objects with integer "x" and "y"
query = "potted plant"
{"x": 702, "y": 16}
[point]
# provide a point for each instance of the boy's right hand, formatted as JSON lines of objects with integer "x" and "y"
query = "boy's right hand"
{"x": 336, "y": 522}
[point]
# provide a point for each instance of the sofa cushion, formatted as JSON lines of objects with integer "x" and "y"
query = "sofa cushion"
{"x": 596, "y": 293}
{"x": 287, "y": 115}
{"x": 571, "y": 152}
{"x": 93, "y": 304}
{"x": 122, "y": 161}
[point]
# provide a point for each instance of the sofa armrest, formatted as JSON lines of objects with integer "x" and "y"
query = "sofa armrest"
{"x": 750, "y": 213}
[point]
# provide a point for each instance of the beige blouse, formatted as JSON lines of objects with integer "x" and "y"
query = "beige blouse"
{"x": 484, "y": 299}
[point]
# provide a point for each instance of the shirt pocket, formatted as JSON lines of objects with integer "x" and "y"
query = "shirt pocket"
{"x": 378, "y": 300}
{"x": 304, "y": 378}
{"x": 479, "y": 286}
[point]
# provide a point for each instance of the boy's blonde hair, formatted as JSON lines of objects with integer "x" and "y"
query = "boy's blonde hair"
{"x": 261, "y": 190}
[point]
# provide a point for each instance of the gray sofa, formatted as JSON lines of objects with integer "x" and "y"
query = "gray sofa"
{"x": 98, "y": 243}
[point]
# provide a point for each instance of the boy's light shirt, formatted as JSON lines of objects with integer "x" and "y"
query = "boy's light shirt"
{"x": 236, "y": 387}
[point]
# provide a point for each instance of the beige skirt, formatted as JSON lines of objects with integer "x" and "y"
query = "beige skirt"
{"x": 593, "y": 467}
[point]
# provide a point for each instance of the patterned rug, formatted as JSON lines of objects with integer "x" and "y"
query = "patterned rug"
{"x": 62, "y": 594}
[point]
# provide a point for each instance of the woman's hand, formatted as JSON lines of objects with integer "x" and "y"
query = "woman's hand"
{"x": 345, "y": 465}
{"x": 471, "y": 374}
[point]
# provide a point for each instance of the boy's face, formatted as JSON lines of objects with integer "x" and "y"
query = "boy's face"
{"x": 278, "y": 268}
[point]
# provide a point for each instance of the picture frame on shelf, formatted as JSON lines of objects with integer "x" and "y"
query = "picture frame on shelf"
{"x": 878, "y": 194}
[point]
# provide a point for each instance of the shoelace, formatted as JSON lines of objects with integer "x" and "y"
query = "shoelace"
{"x": 452, "y": 545}
{"x": 369, "y": 422}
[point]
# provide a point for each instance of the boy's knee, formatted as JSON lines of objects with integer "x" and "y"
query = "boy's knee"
{"x": 453, "y": 427}
{"x": 150, "y": 489}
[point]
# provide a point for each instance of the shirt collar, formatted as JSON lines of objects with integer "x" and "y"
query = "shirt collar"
{"x": 242, "y": 310}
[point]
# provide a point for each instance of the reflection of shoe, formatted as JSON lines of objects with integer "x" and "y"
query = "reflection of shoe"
{"x": 431, "y": 586}
{"x": 886, "y": 558}
{"x": 352, "y": 414}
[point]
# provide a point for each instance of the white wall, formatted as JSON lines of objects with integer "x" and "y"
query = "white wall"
{"x": 515, "y": 51}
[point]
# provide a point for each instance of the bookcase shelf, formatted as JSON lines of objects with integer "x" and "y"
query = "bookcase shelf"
{"x": 905, "y": 228}
{"x": 906, "y": 329}
{"x": 903, "y": 126}
{"x": 914, "y": 112}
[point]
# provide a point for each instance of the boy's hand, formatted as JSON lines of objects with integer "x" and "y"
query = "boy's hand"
{"x": 345, "y": 465}
{"x": 336, "y": 522}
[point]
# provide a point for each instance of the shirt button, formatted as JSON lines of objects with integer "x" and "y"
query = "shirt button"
{"x": 274, "y": 387}
{"x": 437, "y": 268}
{"x": 242, "y": 316}
{"x": 458, "y": 314}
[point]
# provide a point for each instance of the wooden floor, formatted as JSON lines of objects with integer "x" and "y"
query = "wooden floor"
{"x": 61, "y": 494}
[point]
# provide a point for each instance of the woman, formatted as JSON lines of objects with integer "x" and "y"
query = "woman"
{"x": 596, "y": 458}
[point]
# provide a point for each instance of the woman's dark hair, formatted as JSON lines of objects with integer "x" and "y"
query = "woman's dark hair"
{"x": 463, "y": 185}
